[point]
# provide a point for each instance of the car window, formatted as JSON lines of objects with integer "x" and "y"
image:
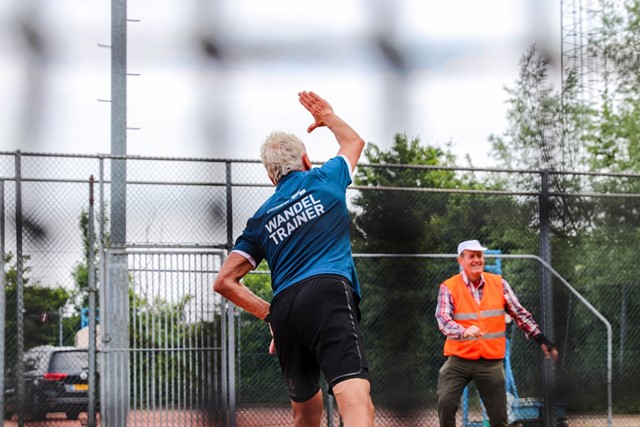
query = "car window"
{"x": 69, "y": 361}
{"x": 31, "y": 364}
{"x": 34, "y": 358}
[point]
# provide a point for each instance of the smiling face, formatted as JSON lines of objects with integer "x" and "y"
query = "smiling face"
{"x": 472, "y": 263}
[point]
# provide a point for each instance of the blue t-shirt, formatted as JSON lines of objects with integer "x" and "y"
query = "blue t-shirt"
{"x": 302, "y": 230}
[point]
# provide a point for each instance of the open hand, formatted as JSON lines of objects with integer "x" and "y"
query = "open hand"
{"x": 318, "y": 107}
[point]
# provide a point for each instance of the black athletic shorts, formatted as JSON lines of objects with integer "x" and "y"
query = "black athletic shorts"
{"x": 316, "y": 327}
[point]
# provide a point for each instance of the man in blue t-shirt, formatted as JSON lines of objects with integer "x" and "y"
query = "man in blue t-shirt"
{"x": 302, "y": 231}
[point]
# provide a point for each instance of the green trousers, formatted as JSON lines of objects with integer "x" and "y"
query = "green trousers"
{"x": 488, "y": 376}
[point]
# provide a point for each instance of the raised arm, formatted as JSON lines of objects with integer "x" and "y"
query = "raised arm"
{"x": 229, "y": 286}
{"x": 351, "y": 145}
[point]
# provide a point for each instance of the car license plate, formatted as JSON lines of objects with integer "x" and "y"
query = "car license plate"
{"x": 80, "y": 387}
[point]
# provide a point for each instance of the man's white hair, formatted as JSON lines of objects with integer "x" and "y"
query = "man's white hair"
{"x": 281, "y": 153}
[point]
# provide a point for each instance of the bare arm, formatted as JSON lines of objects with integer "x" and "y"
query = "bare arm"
{"x": 351, "y": 145}
{"x": 228, "y": 285}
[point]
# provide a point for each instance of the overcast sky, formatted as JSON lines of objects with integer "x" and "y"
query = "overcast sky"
{"x": 444, "y": 83}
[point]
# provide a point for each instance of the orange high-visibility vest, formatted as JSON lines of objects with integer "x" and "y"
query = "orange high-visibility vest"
{"x": 488, "y": 316}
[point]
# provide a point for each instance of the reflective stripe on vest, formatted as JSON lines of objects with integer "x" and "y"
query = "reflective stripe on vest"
{"x": 484, "y": 337}
{"x": 483, "y": 313}
{"x": 489, "y": 316}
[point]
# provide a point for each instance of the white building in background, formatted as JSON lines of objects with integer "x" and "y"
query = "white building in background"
{"x": 81, "y": 339}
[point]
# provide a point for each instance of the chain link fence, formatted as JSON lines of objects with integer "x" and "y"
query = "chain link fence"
{"x": 183, "y": 357}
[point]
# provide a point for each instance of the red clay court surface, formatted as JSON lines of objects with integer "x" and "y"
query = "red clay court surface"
{"x": 281, "y": 417}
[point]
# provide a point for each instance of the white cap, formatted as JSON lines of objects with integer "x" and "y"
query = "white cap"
{"x": 470, "y": 245}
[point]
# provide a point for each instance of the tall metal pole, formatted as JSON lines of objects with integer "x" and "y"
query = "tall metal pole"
{"x": 115, "y": 378}
{"x": 546, "y": 289}
{"x": 118, "y": 120}
{"x": 623, "y": 327}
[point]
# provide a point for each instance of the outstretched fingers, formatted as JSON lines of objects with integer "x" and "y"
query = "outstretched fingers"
{"x": 317, "y": 106}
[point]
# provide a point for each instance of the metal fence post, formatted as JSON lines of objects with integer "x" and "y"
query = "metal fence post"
{"x": 329, "y": 410}
{"x": 231, "y": 311}
{"x": 114, "y": 319}
{"x": 229, "y": 195}
{"x": 623, "y": 327}
{"x": 224, "y": 366}
{"x": 102, "y": 280}
{"x": 91, "y": 420}
{"x": 229, "y": 327}
{"x": 117, "y": 358}
{"x": 60, "y": 328}
{"x": 19, "y": 294}
{"x": 546, "y": 289}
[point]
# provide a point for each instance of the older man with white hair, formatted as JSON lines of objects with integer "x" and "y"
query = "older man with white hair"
{"x": 302, "y": 231}
{"x": 471, "y": 313}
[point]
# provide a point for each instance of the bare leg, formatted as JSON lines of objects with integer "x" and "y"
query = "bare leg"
{"x": 309, "y": 413}
{"x": 354, "y": 402}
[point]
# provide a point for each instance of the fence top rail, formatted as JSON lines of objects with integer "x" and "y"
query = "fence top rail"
{"x": 542, "y": 262}
{"x": 371, "y": 165}
{"x": 99, "y": 156}
{"x": 352, "y": 187}
{"x": 132, "y": 249}
{"x": 493, "y": 192}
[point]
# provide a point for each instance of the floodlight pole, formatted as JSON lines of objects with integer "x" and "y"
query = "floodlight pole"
{"x": 115, "y": 319}
{"x": 118, "y": 120}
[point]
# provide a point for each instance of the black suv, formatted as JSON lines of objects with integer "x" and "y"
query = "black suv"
{"x": 55, "y": 380}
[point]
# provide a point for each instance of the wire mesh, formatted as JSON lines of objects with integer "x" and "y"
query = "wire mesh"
{"x": 204, "y": 204}
{"x": 175, "y": 338}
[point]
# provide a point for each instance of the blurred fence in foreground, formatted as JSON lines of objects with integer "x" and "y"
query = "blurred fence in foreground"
{"x": 189, "y": 358}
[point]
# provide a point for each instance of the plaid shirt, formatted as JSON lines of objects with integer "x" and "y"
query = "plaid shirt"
{"x": 452, "y": 329}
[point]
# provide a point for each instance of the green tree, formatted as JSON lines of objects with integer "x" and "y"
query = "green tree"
{"x": 546, "y": 130}
{"x": 41, "y": 308}
{"x": 543, "y": 130}
{"x": 80, "y": 272}
{"x": 615, "y": 140}
{"x": 614, "y": 146}
{"x": 399, "y": 294}
{"x": 549, "y": 130}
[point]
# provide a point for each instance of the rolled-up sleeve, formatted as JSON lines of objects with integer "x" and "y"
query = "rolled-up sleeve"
{"x": 444, "y": 314}
{"x": 518, "y": 313}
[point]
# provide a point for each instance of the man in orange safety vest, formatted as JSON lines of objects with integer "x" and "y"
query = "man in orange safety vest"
{"x": 471, "y": 314}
